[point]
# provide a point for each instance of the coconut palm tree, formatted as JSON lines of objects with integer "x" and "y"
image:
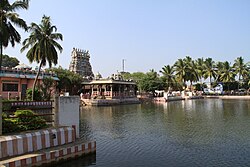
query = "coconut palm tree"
{"x": 191, "y": 70}
{"x": 168, "y": 73}
{"x": 227, "y": 74}
{"x": 240, "y": 67}
{"x": 194, "y": 72}
{"x": 219, "y": 68}
{"x": 180, "y": 69}
{"x": 8, "y": 17}
{"x": 200, "y": 68}
{"x": 43, "y": 45}
{"x": 209, "y": 67}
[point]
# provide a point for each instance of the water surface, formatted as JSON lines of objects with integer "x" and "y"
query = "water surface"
{"x": 210, "y": 132}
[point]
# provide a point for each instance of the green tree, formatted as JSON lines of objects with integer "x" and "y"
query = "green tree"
{"x": 43, "y": 45}
{"x": 8, "y": 17}
{"x": 240, "y": 68}
{"x": 9, "y": 61}
{"x": 64, "y": 83}
{"x": 76, "y": 82}
{"x": 219, "y": 68}
{"x": 136, "y": 77}
{"x": 210, "y": 71}
{"x": 180, "y": 69}
{"x": 152, "y": 82}
{"x": 227, "y": 74}
{"x": 37, "y": 94}
{"x": 168, "y": 73}
{"x": 191, "y": 70}
{"x": 126, "y": 75}
{"x": 68, "y": 81}
{"x": 200, "y": 68}
{"x": 46, "y": 87}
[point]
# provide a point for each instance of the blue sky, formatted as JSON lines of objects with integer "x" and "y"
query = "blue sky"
{"x": 148, "y": 34}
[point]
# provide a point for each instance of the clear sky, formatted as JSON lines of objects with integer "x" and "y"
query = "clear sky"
{"x": 148, "y": 34}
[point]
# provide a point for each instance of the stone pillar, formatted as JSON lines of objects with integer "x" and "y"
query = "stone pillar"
{"x": 129, "y": 90}
{"x": 105, "y": 90}
{"x": 1, "y": 112}
{"x": 119, "y": 91}
{"x": 97, "y": 90}
{"x": 124, "y": 91}
{"x": 133, "y": 91}
{"x": 92, "y": 91}
{"x": 99, "y": 93}
{"x": 69, "y": 112}
{"x": 111, "y": 91}
{"x": 55, "y": 110}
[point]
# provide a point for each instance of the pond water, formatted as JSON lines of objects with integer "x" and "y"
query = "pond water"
{"x": 205, "y": 132}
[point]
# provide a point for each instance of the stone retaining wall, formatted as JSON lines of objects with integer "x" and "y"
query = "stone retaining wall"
{"x": 53, "y": 156}
{"x": 20, "y": 144}
{"x": 109, "y": 102}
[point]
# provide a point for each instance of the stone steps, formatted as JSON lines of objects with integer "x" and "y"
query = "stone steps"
{"x": 22, "y": 143}
{"x": 51, "y": 155}
{"x": 44, "y": 146}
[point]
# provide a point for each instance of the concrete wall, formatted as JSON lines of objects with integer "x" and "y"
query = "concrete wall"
{"x": 48, "y": 158}
{"x": 68, "y": 112}
{"x": 108, "y": 102}
{"x": 23, "y": 143}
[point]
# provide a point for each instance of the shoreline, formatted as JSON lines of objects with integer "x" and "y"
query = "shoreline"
{"x": 229, "y": 97}
{"x": 178, "y": 98}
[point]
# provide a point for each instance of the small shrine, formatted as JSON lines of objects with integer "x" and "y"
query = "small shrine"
{"x": 114, "y": 87}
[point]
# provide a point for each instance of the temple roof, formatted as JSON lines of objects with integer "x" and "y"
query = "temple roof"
{"x": 26, "y": 74}
{"x": 23, "y": 66}
{"x": 110, "y": 81}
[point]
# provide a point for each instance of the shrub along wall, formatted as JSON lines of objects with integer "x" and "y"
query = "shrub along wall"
{"x": 22, "y": 120}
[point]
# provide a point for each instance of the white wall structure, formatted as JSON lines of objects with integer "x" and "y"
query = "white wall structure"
{"x": 13, "y": 145}
{"x": 68, "y": 112}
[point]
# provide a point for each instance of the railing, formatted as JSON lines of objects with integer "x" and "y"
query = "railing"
{"x": 40, "y": 108}
{"x": 114, "y": 94}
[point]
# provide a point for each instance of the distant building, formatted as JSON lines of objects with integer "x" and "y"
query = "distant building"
{"x": 80, "y": 63}
{"x": 110, "y": 91}
{"x": 15, "y": 81}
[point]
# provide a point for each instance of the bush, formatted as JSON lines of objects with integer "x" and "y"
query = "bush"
{"x": 9, "y": 125}
{"x": 26, "y": 120}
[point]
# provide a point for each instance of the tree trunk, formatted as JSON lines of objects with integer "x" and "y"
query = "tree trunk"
{"x": 191, "y": 86}
{"x": 210, "y": 81}
{"x": 239, "y": 83}
{"x": 34, "y": 84}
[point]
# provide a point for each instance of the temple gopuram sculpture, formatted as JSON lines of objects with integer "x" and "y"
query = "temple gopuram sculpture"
{"x": 80, "y": 63}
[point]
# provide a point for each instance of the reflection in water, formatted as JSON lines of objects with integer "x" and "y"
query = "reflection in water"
{"x": 82, "y": 161}
{"x": 210, "y": 132}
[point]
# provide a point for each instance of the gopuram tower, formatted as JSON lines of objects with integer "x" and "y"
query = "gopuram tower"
{"x": 80, "y": 63}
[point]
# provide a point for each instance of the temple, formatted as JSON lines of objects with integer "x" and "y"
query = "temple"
{"x": 96, "y": 90}
{"x": 80, "y": 63}
{"x": 113, "y": 90}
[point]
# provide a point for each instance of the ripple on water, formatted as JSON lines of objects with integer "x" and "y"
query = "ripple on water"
{"x": 209, "y": 132}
